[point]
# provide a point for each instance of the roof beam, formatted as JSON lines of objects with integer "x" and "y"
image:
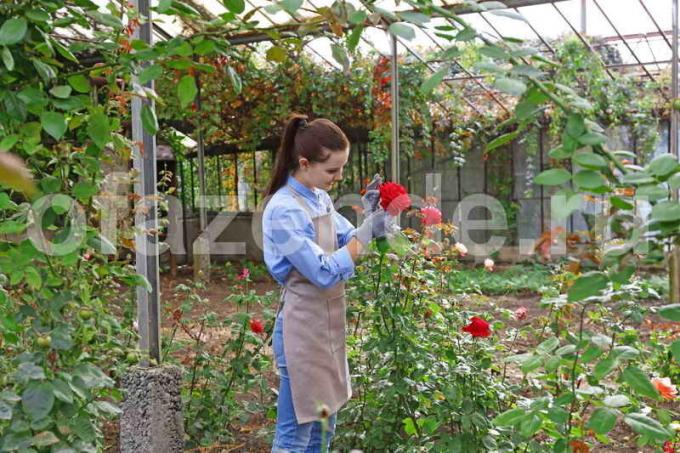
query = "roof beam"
{"x": 292, "y": 29}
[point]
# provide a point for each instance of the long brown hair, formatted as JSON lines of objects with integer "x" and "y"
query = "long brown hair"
{"x": 312, "y": 141}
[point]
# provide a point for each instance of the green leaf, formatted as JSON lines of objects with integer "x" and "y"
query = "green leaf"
{"x": 150, "y": 73}
{"x": 510, "y": 417}
{"x": 620, "y": 203}
{"x": 663, "y": 165}
{"x": 531, "y": 363}
{"x": 602, "y": 420}
{"x": 592, "y": 139}
{"x": 502, "y": 140}
{"x": 277, "y": 54}
{"x": 530, "y": 424}
{"x": 358, "y": 17}
{"x": 674, "y": 181}
{"x": 575, "y": 126}
{"x": 80, "y": 83}
{"x": 102, "y": 244}
{"x": 414, "y": 18}
{"x": 205, "y": 47}
{"x": 186, "y": 90}
{"x": 564, "y": 202}
{"x": 493, "y": 51}
{"x": 291, "y": 5}
{"x": 340, "y": 56}
{"x": 45, "y": 71}
{"x": 7, "y": 59}
{"x": 99, "y": 130}
{"x": 671, "y": 312}
{"x": 5, "y": 411}
{"x": 511, "y": 86}
{"x": 637, "y": 178}
{"x": 28, "y": 371}
{"x": 646, "y": 426}
{"x": 149, "y": 120}
{"x": 13, "y": 31}
{"x": 651, "y": 193}
{"x": 63, "y": 51}
{"x": 675, "y": 349}
{"x": 639, "y": 382}
{"x": 548, "y": 345}
{"x": 403, "y": 30}
{"x": 235, "y": 80}
{"x": 53, "y": 123}
{"x": 62, "y": 391}
{"x": 509, "y": 14}
{"x": 434, "y": 80}
{"x": 61, "y": 91}
{"x": 587, "y": 285}
{"x": 83, "y": 190}
{"x": 552, "y": 177}
{"x": 466, "y": 34}
{"x": 409, "y": 426}
{"x": 37, "y": 400}
{"x": 37, "y": 15}
{"x": 45, "y": 439}
{"x": 184, "y": 9}
{"x": 616, "y": 401}
{"x": 235, "y": 6}
{"x": 33, "y": 278}
{"x": 666, "y": 211}
{"x": 590, "y": 160}
{"x": 589, "y": 180}
{"x": 605, "y": 366}
{"x": 354, "y": 37}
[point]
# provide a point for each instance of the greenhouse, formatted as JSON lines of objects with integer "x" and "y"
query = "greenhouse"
{"x": 466, "y": 211}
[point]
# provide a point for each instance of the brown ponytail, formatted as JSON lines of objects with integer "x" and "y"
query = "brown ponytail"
{"x": 312, "y": 141}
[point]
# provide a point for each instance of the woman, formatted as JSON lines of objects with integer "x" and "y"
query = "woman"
{"x": 310, "y": 250}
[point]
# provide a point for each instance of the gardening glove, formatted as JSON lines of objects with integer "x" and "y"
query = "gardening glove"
{"x": 373, "y": 226}
{"x": 371, "y": 197}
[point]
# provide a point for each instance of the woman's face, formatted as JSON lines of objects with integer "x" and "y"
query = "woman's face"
{"x": 323, "y": 175}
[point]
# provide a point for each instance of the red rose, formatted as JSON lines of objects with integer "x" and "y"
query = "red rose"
{"x": 668, "y": 447}
{"x": 393, "y": 198}
{"x": 256, "y": 326}
{"x": 478, "y": 327}
{"x": 431, "y": 216}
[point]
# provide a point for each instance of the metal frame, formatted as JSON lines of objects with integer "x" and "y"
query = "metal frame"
{"x": 146, "y": 220}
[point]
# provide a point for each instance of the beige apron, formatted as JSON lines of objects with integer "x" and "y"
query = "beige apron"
{"x": 314, "y": 334}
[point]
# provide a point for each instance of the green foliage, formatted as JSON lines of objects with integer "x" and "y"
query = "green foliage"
{"x": 517, "y": 279}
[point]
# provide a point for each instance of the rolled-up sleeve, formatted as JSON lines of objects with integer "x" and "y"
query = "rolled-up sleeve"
{"x": 292, "y": 235}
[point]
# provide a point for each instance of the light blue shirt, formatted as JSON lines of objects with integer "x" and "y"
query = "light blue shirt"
{"x": 289, "y": 237}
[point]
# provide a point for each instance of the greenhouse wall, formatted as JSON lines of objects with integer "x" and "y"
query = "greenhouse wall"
{"x": 499, "y": 185}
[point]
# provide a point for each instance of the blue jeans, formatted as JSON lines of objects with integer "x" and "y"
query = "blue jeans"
{"x": 291, "y": 436}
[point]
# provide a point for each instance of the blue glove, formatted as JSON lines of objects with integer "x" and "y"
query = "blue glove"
{"x": 373, "y": 226}
{"x": 371, "y": 198}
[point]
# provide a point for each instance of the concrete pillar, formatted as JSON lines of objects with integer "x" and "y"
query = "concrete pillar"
{"x": 152, "y": 419}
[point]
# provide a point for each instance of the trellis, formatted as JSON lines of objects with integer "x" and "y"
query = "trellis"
{"x": 145, "y": 163}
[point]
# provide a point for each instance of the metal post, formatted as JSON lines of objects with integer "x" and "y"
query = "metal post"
{"x": 394, "y": 90}
{"x": 674, "y": 268}
{"x": 203, "y": 217}
{"x": 201, "y": 246}
{"x": 584, "y": 17}
{"x": 146, "y": 221}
